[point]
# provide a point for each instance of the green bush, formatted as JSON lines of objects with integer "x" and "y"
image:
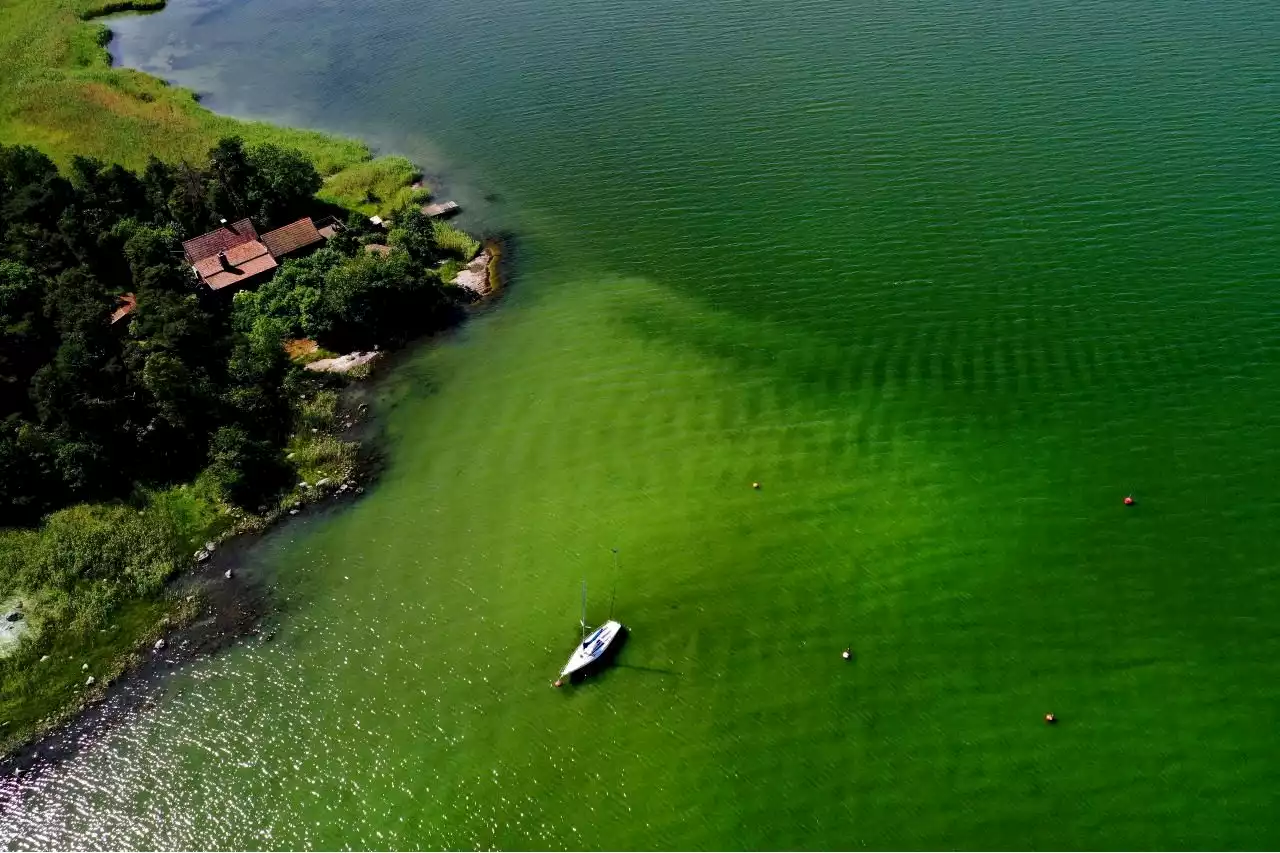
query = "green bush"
{"x": 318, "y": 411}
{"x": 245, "y": 470}
{"x": 317, "y": 456}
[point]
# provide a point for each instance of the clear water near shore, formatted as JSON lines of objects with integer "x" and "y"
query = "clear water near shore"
{"x": 948, "y": 280}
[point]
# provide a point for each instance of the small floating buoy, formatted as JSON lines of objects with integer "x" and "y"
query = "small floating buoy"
{"x": 1128, "y": 500}
{"x": 1050, "y": 718}
{"x": 847, "y": 654}
{"x": 755, "y": 486}
{"x": 557, "y": 683}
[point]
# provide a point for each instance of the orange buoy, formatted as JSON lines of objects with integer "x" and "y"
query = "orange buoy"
{"x": 1050, "y": 719}
{"x": 1128, "y": 501}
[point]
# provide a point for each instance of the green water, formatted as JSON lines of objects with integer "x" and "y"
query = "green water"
{"x": 948, "y": 280}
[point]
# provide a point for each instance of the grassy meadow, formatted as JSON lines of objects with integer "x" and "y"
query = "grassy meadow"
{"x": 62, "y": 95}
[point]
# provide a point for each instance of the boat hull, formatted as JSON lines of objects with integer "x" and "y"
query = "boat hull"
{"x": 595, "y": 648}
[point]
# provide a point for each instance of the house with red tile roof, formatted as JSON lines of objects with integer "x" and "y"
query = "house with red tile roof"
{"x": 234, "y": 256}
{"x": 293, "y": 239}
{"x": 238, "y": 267}
{"x": 219, "y": 240}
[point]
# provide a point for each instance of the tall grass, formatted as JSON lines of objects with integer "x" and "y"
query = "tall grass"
{"x": 376, "y": 188}
{"x": 89, "y": 580}
{"x": 455, "y": 241}
{"x": 60, "y": 94}
{"x": 314, "y": 451}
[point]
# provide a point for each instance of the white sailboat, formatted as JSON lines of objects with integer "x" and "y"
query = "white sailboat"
{"x": 593, "y": 647}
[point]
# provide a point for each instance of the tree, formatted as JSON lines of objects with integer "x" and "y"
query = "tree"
{"x": 415, "y": 233}
{"x": 149, "y": 246}
{"x": 294, "y": 297}
{"x": 246, "y": 470}
{"x": 32, "y": 483}
{"x": 79, "y": 395}
{"x": 89, "y": 409}
{"x": 26, "y": 338}
{"x": 375, "y": 300}
{"x": 273, "y": 185}
{"x": 282, "y": 186}
{"x": 112, "y": 189}
{"x": 158, "y": 183}
{"x": 31, "y": 190}
{"x": 228, "y": 185}
{"x": 173, "y": 354}
{"x": 188, "y": 203}
{"x": 255, "y": 372}
{"x": 101, "y": 216}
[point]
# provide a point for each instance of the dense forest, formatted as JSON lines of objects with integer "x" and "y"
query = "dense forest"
{"x": 127, "y": 441}
{"x": 91, "y": 411}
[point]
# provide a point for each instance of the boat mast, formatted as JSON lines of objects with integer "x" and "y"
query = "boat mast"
{"x": 614, "y": 597}
{"x": 583, "y": 620}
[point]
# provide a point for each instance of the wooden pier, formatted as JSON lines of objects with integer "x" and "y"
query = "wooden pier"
{"x": 441, "y": 209}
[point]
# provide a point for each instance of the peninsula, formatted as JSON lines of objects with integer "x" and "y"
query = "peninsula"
{"x": 167, "y": 277}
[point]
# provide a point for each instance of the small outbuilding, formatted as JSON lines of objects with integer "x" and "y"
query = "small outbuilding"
{"x": 125, "y": 303}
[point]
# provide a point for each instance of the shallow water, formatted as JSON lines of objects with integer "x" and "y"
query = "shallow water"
{"x": 948, "y": 280}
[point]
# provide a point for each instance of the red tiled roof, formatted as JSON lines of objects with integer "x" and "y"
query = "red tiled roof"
{"x": 125, "y": 303}
{"x": 247, "y": 261}
{"x": 292, "y": 237}
{"x": 224, "y": 238}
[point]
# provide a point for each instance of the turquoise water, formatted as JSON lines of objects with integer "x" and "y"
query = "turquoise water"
{"x": 949, "y": 282}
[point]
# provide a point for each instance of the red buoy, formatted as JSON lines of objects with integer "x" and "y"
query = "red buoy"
{"x": 1128, "y": 501}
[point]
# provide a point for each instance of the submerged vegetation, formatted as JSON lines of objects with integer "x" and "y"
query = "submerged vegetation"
{"x": 129, "y": 441}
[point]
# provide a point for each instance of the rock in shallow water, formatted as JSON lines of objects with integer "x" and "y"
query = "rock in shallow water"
{"x": 160, "y": 644}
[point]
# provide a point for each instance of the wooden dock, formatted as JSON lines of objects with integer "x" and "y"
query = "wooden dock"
{"x": 441, "y": 209}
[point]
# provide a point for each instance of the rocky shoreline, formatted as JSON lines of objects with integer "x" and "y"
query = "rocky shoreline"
{"x": 223, "y": 599}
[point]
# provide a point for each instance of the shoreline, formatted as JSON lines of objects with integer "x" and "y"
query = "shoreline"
{"x": 220, "y": 611}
